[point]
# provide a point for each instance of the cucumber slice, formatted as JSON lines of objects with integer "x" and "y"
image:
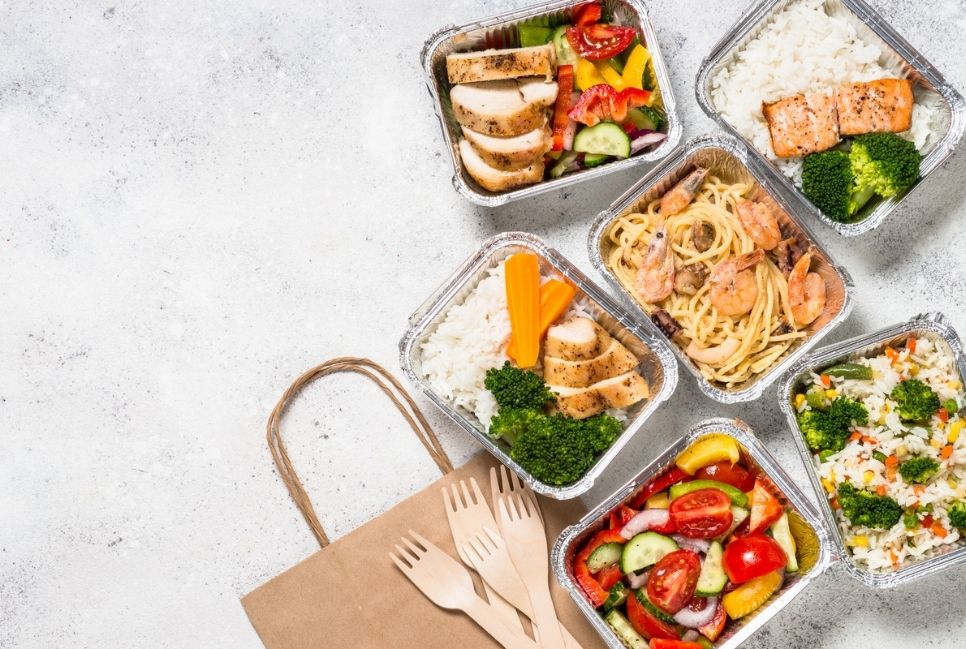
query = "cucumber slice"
{"x": 641, "y": 120}
{"x": 712, "y": 579}
{"x": 594, "y": 159}
{"x": 645, "y": 550}
{"x": 565, "y": 53}
{"x": 617, "y": 597}
{"x": 606, "y": 555}
{"x": 654, "y": 115}
{"x": 704, "y": 642}
{"x": 653, "y": 608}
{"x": 625, "y": 632}
{"x": 737, "y": 496}
{"x": 738, "y": 516}
{"x": 782, "y": 534}
{"x": 565, "y": 161}
{"x": 606, "y": 138}
{"x": 533, "y": 35}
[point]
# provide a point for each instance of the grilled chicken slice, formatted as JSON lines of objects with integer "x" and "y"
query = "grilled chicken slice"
{"x": 615, "y": 360}
{"x": 883, "y": 105}
{"x": 577, "y": 339}
{"x": 510, "y": 153}
{"x": 802, "y": 124}
{"x": 503, "y": 108}
{"x": 617, "y": 392}
{"x": 498, "y": 180}
{"x": 493, "y": 65}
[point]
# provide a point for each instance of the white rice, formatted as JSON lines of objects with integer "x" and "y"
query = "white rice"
{"x": 803, "y": 49}
{"x": 935, "y": 366}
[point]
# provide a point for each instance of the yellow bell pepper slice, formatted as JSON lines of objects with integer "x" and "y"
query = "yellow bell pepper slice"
{"x": 748, "y": 597}
{"x": 610, "y": 75}
{"x": 586, "y": 75}
{"x": 659, "y": 500}
{"x": 633, "y": 76}
{"x": 708, "y": 450}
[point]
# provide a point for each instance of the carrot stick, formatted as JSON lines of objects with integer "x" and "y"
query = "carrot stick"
{"x": 523, "y": 305}
{"x": 555, "y": 296}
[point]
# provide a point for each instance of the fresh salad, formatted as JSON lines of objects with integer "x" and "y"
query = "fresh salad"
{"x": 707, "y": 541}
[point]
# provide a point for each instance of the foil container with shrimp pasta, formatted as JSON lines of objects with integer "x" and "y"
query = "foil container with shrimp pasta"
{"x": 781, "y": 344}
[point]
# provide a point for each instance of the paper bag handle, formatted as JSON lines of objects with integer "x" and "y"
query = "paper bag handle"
{"x": 389, "y": 385}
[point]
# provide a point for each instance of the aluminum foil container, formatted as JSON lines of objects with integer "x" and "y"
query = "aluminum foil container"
{"x": 815, "y": 549}
{"x": 931, "y": 326}
{"x": 731, "y": 160}
{"x": 657, "y": 364}
{"x": 929, "y": 86}
{"x": 501, "y": 31}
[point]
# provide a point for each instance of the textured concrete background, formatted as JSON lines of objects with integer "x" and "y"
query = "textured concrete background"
{"x": 199, "y": 202}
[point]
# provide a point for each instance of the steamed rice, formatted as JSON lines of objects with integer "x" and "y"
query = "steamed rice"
{"x": 803, "y": 49}
{"x": 887, "y": 550}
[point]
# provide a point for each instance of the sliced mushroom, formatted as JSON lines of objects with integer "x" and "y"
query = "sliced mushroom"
{"x": 702, "y": 235}
{"x": 666, "y": 323}
{"x": 690, "y": 279}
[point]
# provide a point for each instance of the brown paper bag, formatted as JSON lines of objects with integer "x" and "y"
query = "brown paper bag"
{"x": 349, "y": 594}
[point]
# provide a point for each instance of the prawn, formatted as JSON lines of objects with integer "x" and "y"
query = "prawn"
{"x": 734, "y": 287}
{"x": 716, "y": 355}
{"x": 760, "y": 224}
{"x": 806, "y": 292}
{"x": 655, "y": 279}
{"x": 681, "y": 195}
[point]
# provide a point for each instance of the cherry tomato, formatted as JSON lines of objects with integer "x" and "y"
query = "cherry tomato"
{"x": 620, "y": 516}
{"x": 674, "y": 644}
{"x": 752, "y": 556}
{"x": 662, "y": 482}
{"x": 702, "y": 514}
{"x": 646, "y": 624}
{"x": 608, "y": 576}
{"x": 667, "y": 528}
{"x": 587, "y": 14}
{"x": 598, "y": 42}
{"x": 671, "y": 583}
{"x": 728, "y": 473}
{"x": 765, "y": 508}
{"x": 713, "y": 629}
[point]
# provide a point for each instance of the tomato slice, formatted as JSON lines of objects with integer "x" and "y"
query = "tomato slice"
{"x": 752, "y": 556}
{"x": 702, "y": 514}
{"x": 587, "y": 14}
{"x": 713, "y": 629}
{"x": 672, "y": 581}
{"x": 765, "y": 508}
{"x": 595, "y": 592}
{"x": 620, "y": 516}
{"x": 599, "y": 42}
{"x": 646, "y": 624}
{"x": 734, "y": 474}
{"x": 660, "y": 483}
{"x": 658, "y": 643}
{"x": 609, "y": 576}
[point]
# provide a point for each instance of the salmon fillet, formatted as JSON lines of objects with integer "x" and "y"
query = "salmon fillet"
{"x": 802, "y": 124}
{"x": 883, "y": 105}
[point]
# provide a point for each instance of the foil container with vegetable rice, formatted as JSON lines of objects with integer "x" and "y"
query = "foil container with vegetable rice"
{"x": 810, "y": 543}
{"x": 525, "y": 27}
{"x": 860, "y": 56}
{"x": 467, "y": 330}
{"x": 766, "y": 345}
{"x": 922, "y": 538}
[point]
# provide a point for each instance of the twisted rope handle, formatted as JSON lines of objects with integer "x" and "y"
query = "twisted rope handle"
{"x": 389, "y": 385}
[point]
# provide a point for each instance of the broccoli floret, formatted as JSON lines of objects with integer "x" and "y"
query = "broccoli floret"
{"x": 827, "y": 430}
{"x": 918, "y": 469}
{"x": 828, "y": 181}
{"x": 509, "y": 423}
{"x": 884, "y": 163}
{"x": 957, "y": 514}
{"x": 915, "y": 399}
{"x": 867, "y": 509}
{"x": 558, "y": 450}
{"x": 518, "y": 389}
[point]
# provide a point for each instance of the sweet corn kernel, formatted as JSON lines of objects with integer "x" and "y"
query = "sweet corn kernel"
{"x": 914, "y": 370}
{"x": 831, "y": 394}
{"x": 868, "y": 476}
{"x": 859, "y": 542}
{"x": 954, "y": 385}
{"x": 935, "y": 443}
{"x": 799, "y": 400}
{"x": 941, "y": 425}
{"x": 829, "y": 487}
{"x": 888, "y": 407}
{"x": 952, "y": 483}
{"x": 955, "y": 429}
{"x": 902, "y": 450}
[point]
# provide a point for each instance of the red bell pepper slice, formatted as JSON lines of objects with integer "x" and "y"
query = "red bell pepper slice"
{"x": 588, "y": 583}
{"x": 620, "y": 516}
{"x": 602, "y": 102}
{"x": 658, "y": 484}
{"x": 587, "y": 14}
{"x": 565, "y": 99}
{"x": 598, "y": 42}
{"x": 609, "y": 576}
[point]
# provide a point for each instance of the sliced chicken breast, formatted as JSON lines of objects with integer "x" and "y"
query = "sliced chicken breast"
{"x": 802, "y": 124}
{"x": 577, "y": 339}
{"x": 498, "y": 180}
{"x": 615, "y": 360}
{"x": 617, "y": 392}
{"x": 509, "y": 153}
{"x": 492, "y": 65}
{"x": 883, "y": 105}
{"x": 503, "y": 108}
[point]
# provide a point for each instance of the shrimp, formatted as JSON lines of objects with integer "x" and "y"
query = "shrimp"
{"x": 806, "y": 292}
{"x": 734, "y": 288}
{"x": 760, "y": 224}
{"x": 655, "y": 279}
{"x": 681, "y": 195}
{"x": 713, "y": 355}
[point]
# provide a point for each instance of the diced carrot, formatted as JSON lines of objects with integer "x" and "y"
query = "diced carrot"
{"x": 523, "y": 305}
{"x": 892, "y": 460}
{"x": 870, "y": 440}
{"x": 894, "y": 557}
{"x": 928, "y": 520}
{"x": 855, "y": 436}
{"x": 826, "y": 380}
{"x": 946, "y": 452}
{"x": 911, "y": 345}
{"x": 943, "y": 415}
{"x": 892, "y": 354}
{"x": 918, "y": 490}
{"x": 881, "y": 490}
{"x": 835, "y": 503}
{"x": 939, "y": 530}
{"x": 891, "y": 472}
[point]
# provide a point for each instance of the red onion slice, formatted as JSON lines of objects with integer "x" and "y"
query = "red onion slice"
{"x": 646, "y": 140}
{"x": 695, "y": 619}
{"x": 644, "y": 521}
{"x": 638, "y": 580}
{"x": 690, "y": 636}
{"x": 695, "y": 545}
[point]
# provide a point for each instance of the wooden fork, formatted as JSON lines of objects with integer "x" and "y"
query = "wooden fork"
{"x": 508, "y": 484}
{"x": 448, "y": 585}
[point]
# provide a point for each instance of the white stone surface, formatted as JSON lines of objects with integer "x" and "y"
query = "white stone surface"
{"x": 200, "y": 200}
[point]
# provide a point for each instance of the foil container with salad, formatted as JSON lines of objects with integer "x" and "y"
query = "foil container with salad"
{"x": 544, "y": 97}
{"x": 851, "y": 115}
